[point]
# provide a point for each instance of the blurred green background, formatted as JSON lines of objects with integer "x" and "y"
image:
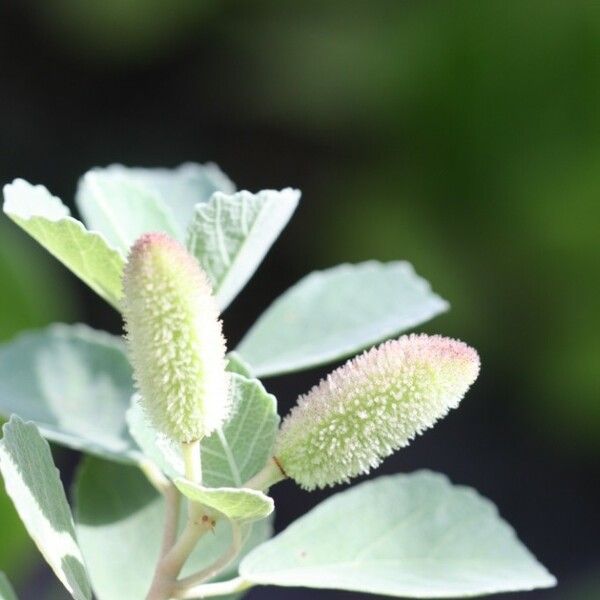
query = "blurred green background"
{"x": 462, "y": 136}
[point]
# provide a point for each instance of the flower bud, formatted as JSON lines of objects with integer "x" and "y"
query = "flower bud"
{"x": 175, "y": 339}
{"x": 373, "y": 405}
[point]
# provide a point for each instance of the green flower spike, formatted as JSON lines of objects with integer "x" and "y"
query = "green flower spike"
{"x": 175, "y": 339}
{"x": 373, "y": 405}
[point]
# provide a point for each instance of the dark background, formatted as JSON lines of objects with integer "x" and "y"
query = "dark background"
{"x": 462, "y": 136}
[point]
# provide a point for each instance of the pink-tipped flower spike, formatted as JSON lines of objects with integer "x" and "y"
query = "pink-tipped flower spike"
{"x": 373, "y": 405}
{"x": 175, "y": 339}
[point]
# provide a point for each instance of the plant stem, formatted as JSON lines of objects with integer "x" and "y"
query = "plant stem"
{"x": 171, "y": 562}
{"x": 170, "y": 565}
{"x": 270, "y": 474}
{"x": 218, "y": 565}
{"x": 209, "y": 590}
{"x": 172, "y": 504}
{"x": 192, "y": 461}
{"x": 155, "y": 476}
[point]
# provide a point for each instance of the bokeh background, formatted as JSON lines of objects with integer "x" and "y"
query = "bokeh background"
{"x": 462, "y": 136}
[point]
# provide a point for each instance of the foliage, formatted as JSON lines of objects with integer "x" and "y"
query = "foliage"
{"x": 417, "y": 536}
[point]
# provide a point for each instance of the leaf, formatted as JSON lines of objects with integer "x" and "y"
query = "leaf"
{"x": 230, "y": 235}
{"x": 33, "y": 484}
{"x": 121, "y": 209}
{"x": 6, "y": 590}
{"x": 154, "y": 445}
{"x": 74, "y": 383}
{"x": 119, "y": 519}
{"x": 334, "y": 313}
{"x": 413, "y": 536}
{"x": 176, "y": 190}
{"x": 235, "y": 503}
{"x": 236, "y": 364}
{"x": 234, "y": 454}
{"x": 47, "y": 220}
{"x": 230, "y": 456}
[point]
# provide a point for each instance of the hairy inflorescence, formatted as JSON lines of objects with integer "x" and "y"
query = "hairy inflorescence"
{"x": 175, "y": 339}
{"x": 373, "y": 405}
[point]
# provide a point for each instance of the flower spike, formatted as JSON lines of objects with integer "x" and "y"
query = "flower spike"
{"x": 175, "y": 339}
{"x": 373, "y": 405}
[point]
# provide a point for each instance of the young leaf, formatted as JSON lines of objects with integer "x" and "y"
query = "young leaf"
{"x": 230, "y": 235}
{"x": 119, "y": 519}
{"x": 237, "y": 504}
{"x": 236, "y": 364}
{"x": 231, "y": 455}
{"x": 32, "y": 482}
{"x": 334, "y": 313}
{"x": 410, "y": 536}
{"x": 6, "y": 590}
{"x": 84, "y": 252}
{"x": 121, "y": 209}
{"x": 74, "y": 383}
{"x": 234, "y": 454}
{"x": 178, "y": 189}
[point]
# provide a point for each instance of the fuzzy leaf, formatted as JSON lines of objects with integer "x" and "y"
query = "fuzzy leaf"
{"x": 32, "y": 482}
{"x": 119, "y": 516}
{"x": 47, "y": 220}
{"x": 234, "y": 454}
{"x": 6, "y": 590}
{"x": 334, "y": 313}
{"x": 74, "y": 383}
{"x": 410, "y": 536}
{"x": 121, "y": 209}
{"x": 178, "y": 189}
{"x": 230, "y": 235}
{"x": 236, "y": 364}
{"x": 153, "y": 445}
{"x": 230, "y": 456}
{"x": 237, "y": 504}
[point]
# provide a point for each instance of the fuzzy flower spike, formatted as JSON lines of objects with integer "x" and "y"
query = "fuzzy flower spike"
{"x": 175, "y": 340}
{"x": 373, "y": 405}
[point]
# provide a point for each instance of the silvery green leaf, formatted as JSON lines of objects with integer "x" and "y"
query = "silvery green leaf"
{"x": 6, "y": 590}
{"x": 237, "y": 504}
{"x": 154, "y": 445}
{"x": 121, "y": 209}
{"x": 231, "y": 455}
{"x": 236, "y": 364}
{"x": 119, "y": 520}
{"x": 335, "y": 313}
{"x": 86, "y": 253}
{"x": 32, "y": 482}
{"x": 409, "y": 536}
{"x": 74, "y": 383}
{"x": 231, "y": 233}
{"x": 177, "y": 190}
{"x": 234, "y": 454}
